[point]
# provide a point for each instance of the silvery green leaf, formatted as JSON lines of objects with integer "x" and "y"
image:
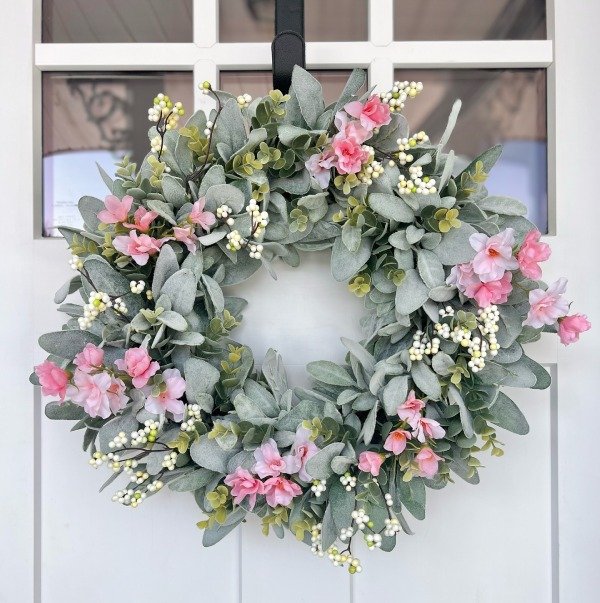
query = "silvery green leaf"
{"x": 67, "y": 344}
{"x": 173, "y": 191}
{"x": 305, "y": 409}
{"x": 488, "y": 158}
{"x": 192, "y": 480}
{"x": 365, "y": 358}
{"x": 447, "y": 173}
{"x": 105, "y": 177}
{"x": 244, "y": 459}
{"x": 231, "y": 129}
{"x": 386, "y": 139}
{"x": 390, "y": 207}
{"x": 364, "y": 401}
{"x": 274, "y": 373}
{"x": 519, "y": 224}
{"x": 215, "y": 175}
{"x": 506, "y": 414}
{"x": 342, "y": 502}
{"x": 493, "y": 373}
{"x": 319, "y": 465}
{"x": 344, "y": 263}
{"x": 263, "y": 397}
{"x": 163, "y": 210}
{"x": 250, "y": 410}
{"x": 309, "y": 93}
{"x": 414, "y": 234}
{"x": 225, "y": 194}
{"x": 213, "y": 237}
{"x": 430, "y": 268}
{"x": 201, "y": 378}
{"x": 509, "y": 354}
{"x": 394, "y": 394}
{"x": 214, "y": 293}
{"x": 426, "y": 380}
{"x": 166, "y": 266}
{"x": 543, "y": 379}
{"x": 217, "y": 532}
{"x": 69, "y": 287}
{"x": 510, "y": 325}
{"x": 411, "y": 294}
{"x": 369, "y": 425}
{"x": 357, "y": 79}
{"x": 399, "y": 240}
{"x": 351, "y": 236}
{"x": 441, "y": 363}
{"x": 341, "y": 464}
{"x": 328, "y": 530}
{"x": 462, "y": 469}
{"x": 442, "y": 293}
{"x": 89, "y": 207}
{"x": 181, "y": 290}
{"x": 124, "y": 423}
{"x": 424, "y": 159}
{"x": 454, "y": 397}
{"x": 503, "y": 205}
{"x": 208, "y": 454}
{"x": 454, "y": 247}
{"x": 412, "y": 495}
{"x": 173, "y": 320}
{"x": 65, "y": 411}
{"x": 298, "y": 184}
{"x": 106, "y": 278}
{"x": 330, "y": 373}
{"x": 448, "y": 131}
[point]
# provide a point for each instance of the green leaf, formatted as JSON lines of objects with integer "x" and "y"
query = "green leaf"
{"x": 305, "y": 409}
{"x": 466, "y": 420}
{"x": 89, "y": 207}
{"x": 351, "y": 236}
{"x": 319, "y": 465}
{"x": 503, "y": 205}
{"x": 506, "y": 414}
{"x": 188, "y": 338}
{"x": 488, "y": 158}
{"x": 67, "y": 344}
{"x": 214, "y": 292}
{"x": 166, "y": 266}
{"x": 217, "y": 532}
{"x": 426, "y": 380}
{"x": 173, "y": 320}
{"x": 208, "y": 454}
{"x": 125, "y": 423}
{"x": 174, "y": 191}
{"x": 163, "y": 210}
{"x": 309, "y": 94}
{"x": 193, "y": 480}
{"x": 225, "y": 194}
{"x": 365, "y": 358}
{"x": 357, "y": 79}
{"x": 65, "y": 411}
{"x": 454, "y": 247}
{"x": 328, "y": 530}
{"x": 263, "y": 397}
{"x": 344, "y": 263}
{"x": 391, "y": 207}
{"x": 412, "y": 494}
{"x": 394, "y": 394}
{"x": 200, "y": 378}
{"x": 430, "y": 268}
{"x": 342, "y": 502}
{"x": 369, "y": 425}
{"x": 180, "y": 288}
{"x": 231, "y": 129}
{"x": 274, "y": 373}
{"x": 328, "y": 372}
{"x": 411, "y": 294}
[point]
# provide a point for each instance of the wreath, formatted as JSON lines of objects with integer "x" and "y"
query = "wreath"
{"x": 148, "y": 366}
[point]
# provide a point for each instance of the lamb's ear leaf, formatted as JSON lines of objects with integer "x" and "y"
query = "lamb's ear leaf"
{"x": 217, "y": 532}
{"x": 309, "y": 92}
{"x": 67, "y": 344}
{"x": 345, "y": 263}
{"x": 506, "y": 414}
{"x": 65, "y": 411}
{"x": 319, "y": 465}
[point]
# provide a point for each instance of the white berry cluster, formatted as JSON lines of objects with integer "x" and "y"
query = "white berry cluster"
{"x": 192, "y": 416}
{"x": 346, "y": 533}
{"x": 260, "y": 219}
{"x": 209, "y": 127}
{"x": 164, "y": 107}
{"x": 113, "y": 461}
{"x": 133, "y": 498}
{"x": 146, "y": 434}
{"x": 156, "y": 144}
{"x": 315, "y": 540}
{"x": 169, "y": 461}
{"x": 119, "y": 306}
{"x": 98, "y": 302}
{"x": 244, "y": 100}
{"x": 392, "y": 527}
{"x": 361, "y": 518}
{"x": 118, "y": 441}
{"x": 137, "y": 287}
{"x": 223, "y": 212}
{"x": 348, "y": 481}
{"x": 373, "y": 541}
{"x": 397, "y": 96}
{"x": 370, "y": 171}
{"x": 234, "y": 239}
{"x": 318, "y": 487}
{"x": 389, "y": 501}
{"x": 417, "y": 183}
{"x": 256, "y": 251}
{"x": 149, "y": 294}
{"x": 422, "y": 345}
{"x": 342, "y": 559}
{"x": 76, "y": 263}
{"x": 139, "y": 477}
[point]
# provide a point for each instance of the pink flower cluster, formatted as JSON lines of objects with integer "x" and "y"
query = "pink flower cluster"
{"x": 277, "y": 489}
{"x": 410, "y": 412}
{"x": 101, "y": 392}
{"x": 346, "y": 152}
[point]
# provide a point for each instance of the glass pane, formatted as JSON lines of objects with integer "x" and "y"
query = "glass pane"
{"x": 254, "y": 20}
{"x": 88, "y": 21}
{"x": 469, "y": 19}
{"x": 89, "y": 118}
{"x": 499, "y": 106}
{"x": 259, "y": 83}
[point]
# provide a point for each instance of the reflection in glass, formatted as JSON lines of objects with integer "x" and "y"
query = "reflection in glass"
{"x": 259, "y": 83}
{"x": 499, "y": 106}
{"x": 90, "y": 21}
{"x": 253, "y": 20}
{"x": 469, "y": 20}
{"x": 89, "y": 118}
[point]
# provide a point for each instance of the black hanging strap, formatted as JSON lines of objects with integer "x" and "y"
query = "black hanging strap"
{"x": 288, "y": 45}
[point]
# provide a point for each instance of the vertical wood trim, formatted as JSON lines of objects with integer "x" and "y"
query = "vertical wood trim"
{"x": 381, "y": 22}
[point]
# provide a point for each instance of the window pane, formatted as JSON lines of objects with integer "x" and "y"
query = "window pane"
{"x": 469, "y": 19}
{"x": 254, "y": 20}
{"x": 259, "y": 83}
{"x": 499, "y": 106}
{"x": 88, "y": 21}
{"x": 89, "y": 118}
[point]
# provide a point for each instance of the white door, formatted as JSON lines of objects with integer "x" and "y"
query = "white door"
{"x": 529, "y": 532}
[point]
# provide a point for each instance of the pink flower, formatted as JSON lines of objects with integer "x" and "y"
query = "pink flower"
{"x": 90, "y": 358}
{"x": 187, "y": 237}
{"x": 427, "y": 461}
{"x": 281, "y": 491}
{"x": 371, "y": 114}
{"x": 53, "y": 379}
{"x": 205, "y": 219}
{"x": 139, "y": 247}
{"x": 319, "y": 166}
{"x": 92, "y": 392}
{"x": 396, "y": 441}
{"x": 428, "y": 428}
{"x": 117, "y": 399}
{"x": 350, "y": 155}
{"x": 116, "y": 210}
{"x": 168, "y": 400}
{"x": 138, "y": 364}
{"x": 492, "y": 292}
{"x": 244, "y": 484}
{"x": 142, "y": 219}
{"x": 462, "y": 276}
{"x": 350, "y": 128}
{"x": 570, "y": 327}
{"x": 410, "y": 409}
{"x": 532, "y": 252}
{"x": 268, "y": 460}
{"x": 547, "y": 306}
{"x": 302, "y": 450}
{"x": 494, "y": 254}
{"x": 370, "y": 462}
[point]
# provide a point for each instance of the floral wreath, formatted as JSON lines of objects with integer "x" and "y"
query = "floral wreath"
{"x": 148, "y": 368}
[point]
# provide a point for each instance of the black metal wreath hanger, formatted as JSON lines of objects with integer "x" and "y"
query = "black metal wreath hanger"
{"x": 288, "y": 47}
